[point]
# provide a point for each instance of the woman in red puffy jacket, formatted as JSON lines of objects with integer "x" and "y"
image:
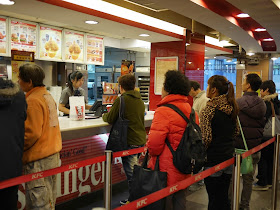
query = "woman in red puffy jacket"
{"x": 168, "y": 124}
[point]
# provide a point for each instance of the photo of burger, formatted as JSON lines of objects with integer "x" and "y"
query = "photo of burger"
{"x": 51, "y": 47}
{"x": 14, "y": 37}
{"x": 30, "y": 40}
{"x": 74, "y": 50}
{"x": 22, "y": 38}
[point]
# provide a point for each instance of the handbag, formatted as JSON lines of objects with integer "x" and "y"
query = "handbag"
{"x": 247, "y": 163}
{"x": 272, "y": 125}
{"x": 145, "y": 181}
{"x": 118, "y": 135}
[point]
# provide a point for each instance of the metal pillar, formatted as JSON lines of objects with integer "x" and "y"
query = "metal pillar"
{"x": 236, "y": 182}
{"x": 108, "y": 180}
{"x": 275, "y": 173}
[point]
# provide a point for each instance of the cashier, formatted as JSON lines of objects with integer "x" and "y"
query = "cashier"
{"x": 75, "y": 82}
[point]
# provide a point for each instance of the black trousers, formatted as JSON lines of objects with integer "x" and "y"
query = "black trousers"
{"x": 9, "y": 198}
{"x": 265, "y": 165}
{"x": 217, "y": 189}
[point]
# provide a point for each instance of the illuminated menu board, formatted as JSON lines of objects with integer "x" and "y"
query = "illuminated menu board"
{"x": 23, "y": 36}
{"x": 50, "y": 43}
{"x": 3, "y": 36}
{"x": 74, "y": 46}
{"x": 95, "y": 50}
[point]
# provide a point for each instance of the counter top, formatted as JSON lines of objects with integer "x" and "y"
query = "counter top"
{"x": 71, "y": 129}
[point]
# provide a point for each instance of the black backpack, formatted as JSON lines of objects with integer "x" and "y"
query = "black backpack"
{"x": 190, "y": 155}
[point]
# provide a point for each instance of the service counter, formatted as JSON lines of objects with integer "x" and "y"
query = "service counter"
{"x": 78, "y": 129}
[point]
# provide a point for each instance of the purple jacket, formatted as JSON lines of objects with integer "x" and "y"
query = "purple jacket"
{"x": 252, "y": 110}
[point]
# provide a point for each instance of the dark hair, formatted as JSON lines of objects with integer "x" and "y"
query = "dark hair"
{"x": 194, "y": 84}
{"x": 254, "y": 80}
{"x": 224, "y": 86}
{"x": 32, "y": 72}
{"x": 76, "y": 75}
{"x": 127, "y": 82}
{"x": 270, "y": 85}
{"x": 176, "y": 83}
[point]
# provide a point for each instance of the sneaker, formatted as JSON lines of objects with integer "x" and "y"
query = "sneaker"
{"x": 123, "y": 202}
{"x": 260, "y": 188}
{"x": 195, "y": 187}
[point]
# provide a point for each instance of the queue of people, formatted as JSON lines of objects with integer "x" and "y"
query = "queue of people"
{"x": 37, "y": 140}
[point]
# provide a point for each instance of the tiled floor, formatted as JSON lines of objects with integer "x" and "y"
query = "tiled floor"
{"x": 260, "y": 200}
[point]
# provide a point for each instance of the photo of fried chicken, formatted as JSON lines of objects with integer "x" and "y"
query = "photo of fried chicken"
{"x": 2, "y": 36}
{"x": 51, "y": 47}
{"x": 75, "y": 50}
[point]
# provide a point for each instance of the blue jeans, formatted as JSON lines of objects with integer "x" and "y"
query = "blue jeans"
{"x": 129, "y": 162}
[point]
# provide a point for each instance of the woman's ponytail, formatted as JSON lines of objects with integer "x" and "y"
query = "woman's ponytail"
{"x": 231, "y": 100}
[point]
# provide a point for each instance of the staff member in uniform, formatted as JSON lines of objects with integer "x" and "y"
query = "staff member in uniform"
{"x": 75, "y": 82}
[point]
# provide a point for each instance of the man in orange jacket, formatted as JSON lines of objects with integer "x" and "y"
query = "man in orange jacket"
{"x": 42, "y": 138}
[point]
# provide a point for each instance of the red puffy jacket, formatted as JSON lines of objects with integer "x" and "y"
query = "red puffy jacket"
{"x": 168, "y": 124}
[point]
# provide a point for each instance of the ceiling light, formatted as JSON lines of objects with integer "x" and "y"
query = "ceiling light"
{"x": 260, "y": 29}
{"x": 243, "y": 15}
{"x": 91, "y": 22}
{"x": 6, "y": 2}
{"x": 267, "y": 40}
{"x": 273, "y": 58}
{"x": 189, "y": 62}
{"x": 187, "y": 44}
{"x": 144, "y": 35}
{"x": 250, "y": 53}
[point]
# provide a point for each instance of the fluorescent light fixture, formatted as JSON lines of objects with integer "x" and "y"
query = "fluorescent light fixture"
{"x": 128, "y": 14}
{"x": 213, "y": 41}
{"x": 243, "y": 15}
{"x": 7, "y": 2}
{"x": 268, "y": 39}
{"x": 250, "y": 53}
{"x": 273, "y": 58}
{"x": 224, "y": 42}
{"x": 91, "y": 22}
{"x": 144, "y": 35}
{"x": 260, "y": 29}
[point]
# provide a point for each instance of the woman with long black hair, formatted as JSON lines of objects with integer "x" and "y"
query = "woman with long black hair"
{"x": 219, "y": 126}
{"x": 75, "y": 82}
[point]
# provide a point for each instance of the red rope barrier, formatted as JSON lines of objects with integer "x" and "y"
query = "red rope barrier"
{"x": 76, "y": 165}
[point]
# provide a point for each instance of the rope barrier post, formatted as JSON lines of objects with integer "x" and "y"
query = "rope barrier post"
{"x": 236, "y": 182}
{"x": 108, "y": 180}
{"x": 275, "y": 173}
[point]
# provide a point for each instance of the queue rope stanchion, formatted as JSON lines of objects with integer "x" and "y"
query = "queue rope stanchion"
{"x": 236, "y": 182}
{"x": 108, "y": 180}
{"x": 275, "y": 173}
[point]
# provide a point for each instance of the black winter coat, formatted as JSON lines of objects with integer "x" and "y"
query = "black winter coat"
{"x": 12, "y": 117}
{"x": 252, "y": 111}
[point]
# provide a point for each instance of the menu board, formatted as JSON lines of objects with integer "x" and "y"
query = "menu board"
{"x": 74, "y": 46}
{"x": 95, "y": 50}
{"x": 23, "y": 36}
{"x": 50, "y": 43}
{"x": 3, "y": 38}
{"x": 163, "y": 64}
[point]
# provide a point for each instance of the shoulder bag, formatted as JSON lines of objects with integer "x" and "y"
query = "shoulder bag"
{"x": 247, "y": 163}
{"x": 272, "y": 126}
{"x": 145, "y": 181}
{"x": 118, "y": 135}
